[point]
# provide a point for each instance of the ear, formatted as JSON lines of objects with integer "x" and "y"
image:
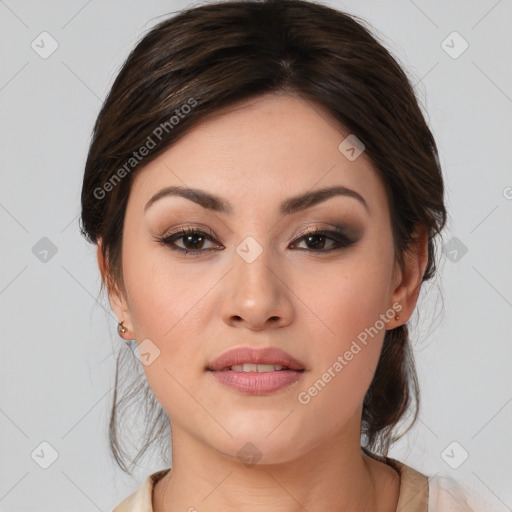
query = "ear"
{"x": 116, "y": 296}
{"x": 407, "y": 280}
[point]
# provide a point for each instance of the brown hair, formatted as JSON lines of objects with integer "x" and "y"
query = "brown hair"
{"x": 205, "y": 58}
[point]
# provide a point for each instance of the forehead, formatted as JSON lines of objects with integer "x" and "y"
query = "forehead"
{"x": 257, "y": 149}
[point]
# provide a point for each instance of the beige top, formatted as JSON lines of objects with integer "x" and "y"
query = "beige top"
{"x": 418, "y": 493}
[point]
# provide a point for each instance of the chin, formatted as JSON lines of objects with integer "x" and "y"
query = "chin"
{"x": 260, "y": 451}
{"x": 260, "y": 445}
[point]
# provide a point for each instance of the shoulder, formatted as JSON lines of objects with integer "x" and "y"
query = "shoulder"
{"x": 446, "y": 494}
{"x": 420, "y": 492}
{"x": 142, "y": 499}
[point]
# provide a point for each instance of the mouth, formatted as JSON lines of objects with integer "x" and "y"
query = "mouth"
{"x": 258, "y": 368}
{"x": 247, "y": 359}
{"x": 256, "y": 372}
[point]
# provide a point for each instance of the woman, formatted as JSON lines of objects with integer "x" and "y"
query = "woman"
{"x": 265, "y": 196}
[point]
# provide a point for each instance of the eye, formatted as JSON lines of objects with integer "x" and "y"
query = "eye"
{"x": 193, "y": 240}
{"x": 317, "y": 238}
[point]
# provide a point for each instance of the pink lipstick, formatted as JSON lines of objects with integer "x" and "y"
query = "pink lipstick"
{"x": 256, "y": 371}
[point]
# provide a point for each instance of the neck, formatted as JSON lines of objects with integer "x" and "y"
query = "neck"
{"x": 324, "y": 478}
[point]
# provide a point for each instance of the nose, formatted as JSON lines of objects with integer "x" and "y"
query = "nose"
{"x": 257, "y": 295}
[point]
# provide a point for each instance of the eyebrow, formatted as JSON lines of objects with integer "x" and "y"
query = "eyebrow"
{"x": 287, "y": 207}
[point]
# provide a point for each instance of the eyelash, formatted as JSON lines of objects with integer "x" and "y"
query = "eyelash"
{"x": 339, "y": 237}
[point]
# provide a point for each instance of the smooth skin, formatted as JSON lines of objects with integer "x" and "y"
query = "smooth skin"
{"x": 310, "y": 303}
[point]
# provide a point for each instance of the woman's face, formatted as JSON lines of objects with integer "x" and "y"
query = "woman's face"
{"x": 258, "y": 281}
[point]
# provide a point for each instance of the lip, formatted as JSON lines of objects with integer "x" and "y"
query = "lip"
{"x": 266, "y": 355}
{"x": 256, "y": 383}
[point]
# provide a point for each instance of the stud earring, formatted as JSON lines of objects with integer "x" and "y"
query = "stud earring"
{"x": 121, "y": 329}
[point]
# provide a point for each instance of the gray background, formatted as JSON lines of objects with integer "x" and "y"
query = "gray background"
{"x": 58, "y": 337}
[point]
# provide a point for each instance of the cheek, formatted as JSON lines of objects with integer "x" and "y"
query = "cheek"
{"x": 169, "y": 305}
{"x": 163, "y": 308}
{"x": 352, "y": 304}
{"x": 163, "y": 296}
{"x": 344, "y": 302}
{"x": 345, "y": 360}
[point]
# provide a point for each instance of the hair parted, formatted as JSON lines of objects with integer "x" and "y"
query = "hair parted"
{"x": 203, "y": 59}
